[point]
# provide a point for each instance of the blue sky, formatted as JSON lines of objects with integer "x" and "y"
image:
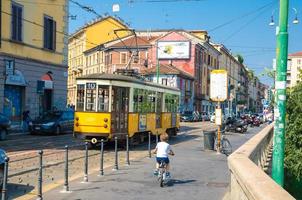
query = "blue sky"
{"x": 248, "y": 32}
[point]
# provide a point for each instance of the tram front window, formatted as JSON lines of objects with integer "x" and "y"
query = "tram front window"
{"x": 103, "y": 99}
{"x": 90, "y": 96}
{"x": 80, "y": 97}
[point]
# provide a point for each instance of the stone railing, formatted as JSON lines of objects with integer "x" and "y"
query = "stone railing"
{"x": 248, "y": 179}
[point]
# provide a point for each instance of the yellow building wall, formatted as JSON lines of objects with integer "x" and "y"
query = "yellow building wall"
{"x": 32, "y": 44}
{"x": 103, "y": 32}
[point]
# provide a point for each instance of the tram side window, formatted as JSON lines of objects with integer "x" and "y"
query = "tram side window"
{"x": 80, "y": 97}
{"x": 152, "y": 101}
{"x": 90, "y": 96}
{"x": 159, "y": 103}
{"x": 135, "y": 99}
{"x": 103, "y": 98}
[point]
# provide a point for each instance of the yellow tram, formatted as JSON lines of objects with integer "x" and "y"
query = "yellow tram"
{"x": 110, "y": 105}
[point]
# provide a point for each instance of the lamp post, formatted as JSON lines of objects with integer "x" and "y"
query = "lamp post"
{"x": 280, "y": 86}
{"x": 295, "y": 21}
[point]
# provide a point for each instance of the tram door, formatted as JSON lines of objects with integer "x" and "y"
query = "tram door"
{"x": 120, "y": 102}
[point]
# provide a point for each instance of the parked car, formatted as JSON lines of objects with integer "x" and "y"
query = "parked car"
{"x": 2, "y": 160}
{"x": 53, "y": 122}
{"x": 4, "y": 126}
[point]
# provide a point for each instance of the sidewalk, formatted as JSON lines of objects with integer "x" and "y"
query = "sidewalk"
{"x": 196, "y": 174}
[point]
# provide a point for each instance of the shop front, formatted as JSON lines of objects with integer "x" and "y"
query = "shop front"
{"x": 14, "y": 95}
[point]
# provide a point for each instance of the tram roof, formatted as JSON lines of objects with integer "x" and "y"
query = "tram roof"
{"x": 119, "y": 77}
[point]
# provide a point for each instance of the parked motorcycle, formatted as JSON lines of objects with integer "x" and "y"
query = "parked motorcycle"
{"x": 235, "y": 125}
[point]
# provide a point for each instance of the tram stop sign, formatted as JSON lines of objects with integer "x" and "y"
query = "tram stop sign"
{"x": 218, "y": 85}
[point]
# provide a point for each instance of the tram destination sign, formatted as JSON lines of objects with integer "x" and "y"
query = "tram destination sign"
{"x": 218, "y": 85}
{"x": 91, "y": 86}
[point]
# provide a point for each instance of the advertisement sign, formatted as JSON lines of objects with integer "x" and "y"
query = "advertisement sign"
{"x": 173, "y": 50}
{"x": 219, "y": 85}
{"x": 218, "y": 116}
{"x": 142, "y": 122}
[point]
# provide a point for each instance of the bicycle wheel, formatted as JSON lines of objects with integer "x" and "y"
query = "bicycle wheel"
{"x": 226, "y": 146}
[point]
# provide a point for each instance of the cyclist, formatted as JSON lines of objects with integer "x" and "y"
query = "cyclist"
{"x": 162, "y": 150}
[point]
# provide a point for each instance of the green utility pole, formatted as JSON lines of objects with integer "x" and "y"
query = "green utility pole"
{"x": 280, "y": 85}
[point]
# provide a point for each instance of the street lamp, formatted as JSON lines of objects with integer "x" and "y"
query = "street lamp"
{"x": 295, "y": 21}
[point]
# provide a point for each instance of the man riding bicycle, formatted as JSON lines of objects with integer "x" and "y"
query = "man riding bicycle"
{"x": 162, "y": 150}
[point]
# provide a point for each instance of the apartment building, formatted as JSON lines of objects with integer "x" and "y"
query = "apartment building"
{"x": 33, "y": 57}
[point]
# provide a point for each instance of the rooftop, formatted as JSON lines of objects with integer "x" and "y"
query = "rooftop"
{"x": 168, "y": 69}
{"x": 296, "y": 54}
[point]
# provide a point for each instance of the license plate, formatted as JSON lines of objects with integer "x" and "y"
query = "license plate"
{"x": 37, "y": 128}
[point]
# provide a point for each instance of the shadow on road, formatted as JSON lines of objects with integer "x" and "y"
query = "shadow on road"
{"x": 17, "y": 190}
{"x": 179, "y": 182}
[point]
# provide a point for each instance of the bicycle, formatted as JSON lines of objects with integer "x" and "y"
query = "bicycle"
{"x": 225, "y": 144}
{"x": 162, "y": 173}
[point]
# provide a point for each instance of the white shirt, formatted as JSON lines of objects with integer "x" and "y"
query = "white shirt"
{"x": 163, "y": 149}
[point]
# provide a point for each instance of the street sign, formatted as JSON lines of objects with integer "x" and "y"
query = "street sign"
{"x": 218, "y": 116}
{"x": 219, "y": 85}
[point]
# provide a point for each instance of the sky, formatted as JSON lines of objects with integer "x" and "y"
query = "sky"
{"x": 241, "y": 25}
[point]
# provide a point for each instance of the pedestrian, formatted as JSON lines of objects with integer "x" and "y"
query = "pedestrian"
{"x": 26, "y": 120}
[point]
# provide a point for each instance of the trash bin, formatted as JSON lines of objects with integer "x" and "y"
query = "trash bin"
{"x": 209, "y": 140}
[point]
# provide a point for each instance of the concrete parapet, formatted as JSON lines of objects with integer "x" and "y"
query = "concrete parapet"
{"x": 248, "y": 180}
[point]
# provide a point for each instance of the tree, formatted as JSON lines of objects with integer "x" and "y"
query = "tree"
{"x": 293, "y": 142}
{"x": 240, "y": 58}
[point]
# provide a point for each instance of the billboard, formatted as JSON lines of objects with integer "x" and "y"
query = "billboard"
{"x": 218, "y": 85}
{"x": 173, "y": 50}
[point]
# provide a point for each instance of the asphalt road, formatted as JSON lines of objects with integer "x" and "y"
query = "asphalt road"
{"x": 196, "y": 174}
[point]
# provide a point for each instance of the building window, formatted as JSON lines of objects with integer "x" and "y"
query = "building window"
{"x": 110, "y": 58}
{"x": 164, "y": 81}
{"x": 209, "y": 59}
{"x": 16, "y": 31}
{"x": 123, "y": 58}
{"x": 49, "y": 33}
{"x": 299, "y": 61}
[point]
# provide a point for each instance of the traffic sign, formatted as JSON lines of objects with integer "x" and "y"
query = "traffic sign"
{"x": 218, "y": 85}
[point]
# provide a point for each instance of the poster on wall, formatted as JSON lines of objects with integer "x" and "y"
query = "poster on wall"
{"x": 173, "y": 50}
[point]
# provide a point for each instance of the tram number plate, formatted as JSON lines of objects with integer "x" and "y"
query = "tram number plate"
{"x": 90, "y": 86}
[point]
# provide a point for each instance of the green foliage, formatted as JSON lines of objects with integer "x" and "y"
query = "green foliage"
{"x": 240, "y": 58}
{"x": 293, "y": 138}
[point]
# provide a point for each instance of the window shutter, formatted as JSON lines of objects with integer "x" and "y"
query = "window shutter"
{"x": 45, "y": 32}
{"x": 13, "y": 29}
{"x": 19, "y": 24}
{"x": 54, "y": 34}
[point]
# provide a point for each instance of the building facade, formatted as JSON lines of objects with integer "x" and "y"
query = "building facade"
{"x": 294, "y": 69}
{"x": 130, "y": 52}
{"x": 99, "y": 31}
{"x": 33, "y": 57}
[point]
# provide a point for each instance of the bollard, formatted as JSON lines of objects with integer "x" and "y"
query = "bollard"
{"x": 4, "y": 189}
{"x": 86, "y": 163}
{"x": 40, "y": 179}
{"x": 149, "y": 144}
{"x": 102, "y": 159}
{"x": 66, "y": 185}
{"x": 116, "y": 155}
{"x": 127, "y": 150}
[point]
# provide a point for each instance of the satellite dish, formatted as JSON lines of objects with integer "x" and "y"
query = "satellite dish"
{"x": 115, "y": 8}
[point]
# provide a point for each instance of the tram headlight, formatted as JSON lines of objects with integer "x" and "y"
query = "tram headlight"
{"x": 105, "y": 126}
{"x": 77, "y": 124}
{"x": 77, "y": 118}
{"x": 105, "y": 120}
